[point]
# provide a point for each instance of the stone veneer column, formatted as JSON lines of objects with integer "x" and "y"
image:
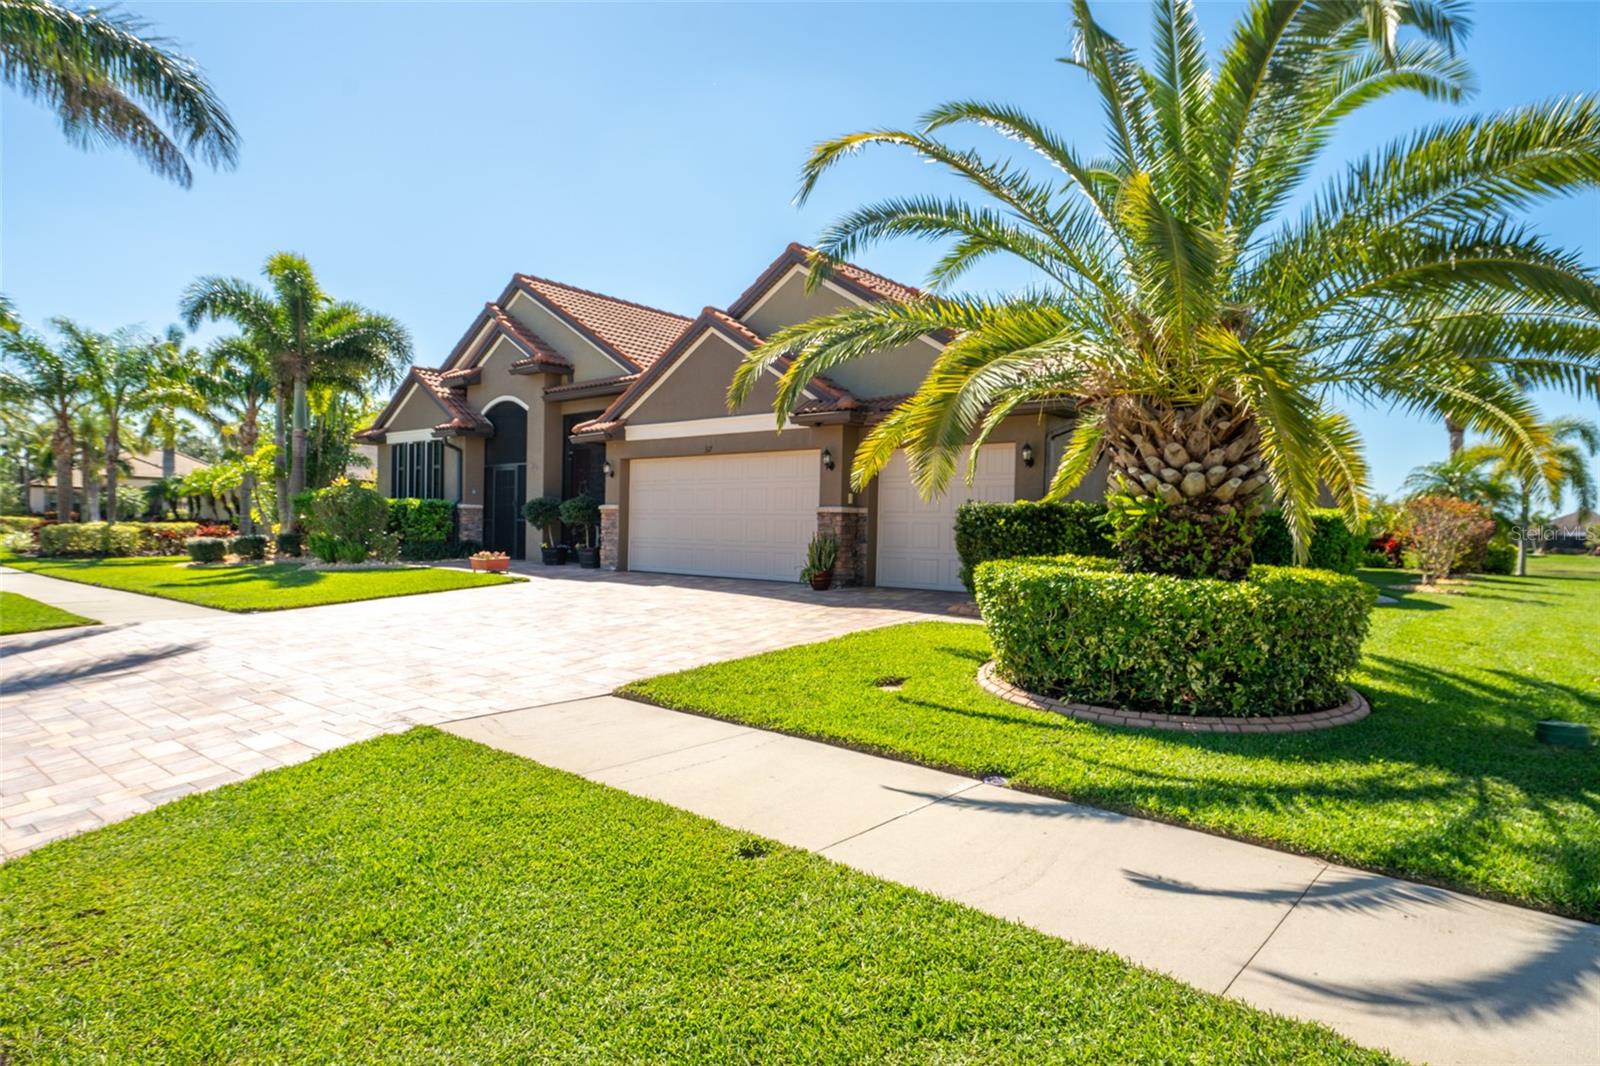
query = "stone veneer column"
{"x": 610, "y": 523}
{"x": 849, "y": 524}
{"x": 469, "y": 521}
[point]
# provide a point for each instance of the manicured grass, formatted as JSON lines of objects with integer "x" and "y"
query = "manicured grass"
{"x": 264, "y": 587}
{"x": 18, "y": 614}
{"x": 1443, "y": 783}
{"x": 420, "y": 898}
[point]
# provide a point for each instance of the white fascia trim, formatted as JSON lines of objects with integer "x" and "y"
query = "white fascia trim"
{"x": 477, "y": 340}
{"x": 499, "y": 399}
{"x": 702, "y": 427}
{"x": 772, "y": 290}
{"x": 406, "y": 436}
{"x": 678, "y": 362}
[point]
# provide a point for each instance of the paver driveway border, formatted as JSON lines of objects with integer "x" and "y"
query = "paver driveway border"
{"x": 103, "y": 722}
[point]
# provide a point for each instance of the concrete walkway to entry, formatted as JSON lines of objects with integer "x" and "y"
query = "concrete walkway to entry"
{"x": 1430, "y": 975}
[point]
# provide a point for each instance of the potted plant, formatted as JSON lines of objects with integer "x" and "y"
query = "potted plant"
{"x": 821, "y": 554}
{"x": 583, "y": 513}
{"x": 496, "y": 562}
{"x": 543, "y": 512}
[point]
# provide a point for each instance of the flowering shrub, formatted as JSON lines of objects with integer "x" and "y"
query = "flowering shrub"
{"x": 1447, "y": 533}
{"x": 1390, "y": 546}
{"x": 214, "y": 529}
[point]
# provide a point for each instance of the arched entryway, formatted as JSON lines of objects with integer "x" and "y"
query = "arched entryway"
{"x": 505, "y": 478}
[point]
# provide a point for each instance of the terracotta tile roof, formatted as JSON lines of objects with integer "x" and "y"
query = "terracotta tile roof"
{"x": 590, "y": 384}
{"x": 540, "y": 355}
{"x": 866, "y": 405}
{"x": 863, "y": 282}
{"x": 595, "y": 425}
{"x": 636, "y": 332}
{"x": 454, "y": 402}
{"x": 886, "y": 288}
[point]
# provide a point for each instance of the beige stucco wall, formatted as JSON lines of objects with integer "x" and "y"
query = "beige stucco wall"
{"x": 696, "y": 386}
{"x": 886, "y": 373}
{"x": 587, "y": 360}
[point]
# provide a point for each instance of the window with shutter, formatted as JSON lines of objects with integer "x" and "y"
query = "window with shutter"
{"x": 436, "y": 470}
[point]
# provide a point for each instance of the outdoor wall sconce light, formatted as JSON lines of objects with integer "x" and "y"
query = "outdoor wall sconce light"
{"x": 608, "y": 468}
{"x": 1027, "y": 455}
{"x": 827, "y": 459}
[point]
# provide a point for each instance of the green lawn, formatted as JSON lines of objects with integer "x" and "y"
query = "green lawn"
{"x": 18, "y": 614}
{"x": 419, "y": 898}
{"x": 264, "y": 587}
{"x": 1443, "y": 783}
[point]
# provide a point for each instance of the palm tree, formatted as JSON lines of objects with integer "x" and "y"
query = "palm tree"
{"x": 1561, "y": 467}
{"x": 112, "y": 83}
{"x": 1469, "y": 475}
{"x": 38, "y": 374}
{"x": 232, "y": 390}
{"x": 309, "y": 336}
{"x": 91, "y": 434}
{"x": 117, "y": 373}
{"x": 1203, "y": 335}
{"x": 163, "y": 412}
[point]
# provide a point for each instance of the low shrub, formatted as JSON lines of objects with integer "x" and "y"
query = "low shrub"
{"x": 349, "y": 522}
{"x": 1498, "y": 558}
{"x": 249, "y": 546}
{"x": 165, "y": 538}
{"x": 987, "y": 531}
{"x": 1281, "y": 641}
{"x": 215, "y": 529}
{"x": 1448, "y": 535}
{"x": 291, "y": 544}
{"x": 15, "y": 542}
{"x": 1332, "y": 547}
{"x": 1377, "y": 560}
{"x": 1152, "y": 537}
{"x": 206, "y": 549}
{"x": 89, "y": 538}
{"x": 426, "y": 528}
{"x": 20, "y": 523}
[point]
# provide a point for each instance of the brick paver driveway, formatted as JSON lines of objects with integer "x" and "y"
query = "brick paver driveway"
{"x": 100, "y": 723}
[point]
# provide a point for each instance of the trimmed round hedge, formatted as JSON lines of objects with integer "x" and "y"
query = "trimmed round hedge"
{"x": 1282, "y": 641}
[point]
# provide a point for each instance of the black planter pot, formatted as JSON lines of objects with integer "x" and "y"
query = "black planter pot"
{"x": 552, "y": 556}
{"x": 589, "y": 558}
{"x": 566, "y": 552}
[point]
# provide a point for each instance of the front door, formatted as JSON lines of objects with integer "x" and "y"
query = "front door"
{"x": 503, "y": 527}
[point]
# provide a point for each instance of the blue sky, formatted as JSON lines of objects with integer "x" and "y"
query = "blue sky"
{"x": 420, "y": 154}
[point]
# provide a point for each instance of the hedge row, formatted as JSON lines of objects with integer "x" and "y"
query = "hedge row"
{"x": 115, "y": 538}
{"x": 987, "y": 531}
{"x": 1333, "y": 546}
{"x": 426, "y": 528}
{"x": 1281, "y": 641}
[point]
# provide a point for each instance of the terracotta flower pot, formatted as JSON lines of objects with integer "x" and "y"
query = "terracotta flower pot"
{"x": 497, "y": 566}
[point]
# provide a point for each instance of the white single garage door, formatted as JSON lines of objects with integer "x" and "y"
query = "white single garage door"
{"x": 917, "y": 537}
{"x": 745, "y": 515}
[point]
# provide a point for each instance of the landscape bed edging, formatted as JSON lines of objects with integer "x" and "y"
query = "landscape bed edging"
{"x": 1352, "y": 709}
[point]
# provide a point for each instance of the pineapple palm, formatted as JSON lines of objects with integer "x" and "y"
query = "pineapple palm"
{"x": 1204, "y": 337}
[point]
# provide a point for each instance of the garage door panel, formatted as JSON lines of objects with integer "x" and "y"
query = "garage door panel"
{"x": 746, "y": 515}
{"x": 916, "y": 545}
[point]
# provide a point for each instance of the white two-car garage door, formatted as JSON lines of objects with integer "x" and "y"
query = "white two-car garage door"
{"x": 916, "y": 537}
{"x": 745, "y": 515}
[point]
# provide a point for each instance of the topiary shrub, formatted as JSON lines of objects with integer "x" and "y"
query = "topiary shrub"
{"x": 582, "y": 511}
{"x": 249, "y": 546}
{"x": 1332, "y": 547}
{"x": 1281, "y": 641}
{"x": 542, "y": 513}
{"x": 1152, "y": 537}
{"x": 89, "y": 538}
{"x": 206, "y": 549}
{"x": 291, "y": 544}
{"x": 987, "y": 531}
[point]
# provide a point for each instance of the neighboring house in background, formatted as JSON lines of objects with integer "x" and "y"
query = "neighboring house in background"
{"x": 1567, "y": 533}
{"x": 557, "y": 391}
{"x": 144, "y": 469}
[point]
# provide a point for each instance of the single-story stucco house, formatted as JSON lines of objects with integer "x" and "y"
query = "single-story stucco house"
{"x": 143, "y": 470}
{"x": 556, "y": 390}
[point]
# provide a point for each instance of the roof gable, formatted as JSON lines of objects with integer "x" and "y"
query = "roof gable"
{"x": 636, "y": 334}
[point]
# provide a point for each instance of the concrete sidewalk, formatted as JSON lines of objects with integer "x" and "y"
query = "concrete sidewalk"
{"x": 110, "y": 606}
{"x": 1430, "y": 975}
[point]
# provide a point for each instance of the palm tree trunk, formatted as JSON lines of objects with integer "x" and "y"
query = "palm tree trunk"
{"x": 90, "y": 511}
{"x": 63, "y": 454}
{"x": 1458, "y": 436}
{"x": 169, "y": 457}
{"x": 280, "y": 438}
{"x": 1201, "y": 468}
{"x": 247, "y": 485}
{"x": 112, "y": 448}
{"x": 1522, "y": 538}
{"x": 297, "y": 456}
